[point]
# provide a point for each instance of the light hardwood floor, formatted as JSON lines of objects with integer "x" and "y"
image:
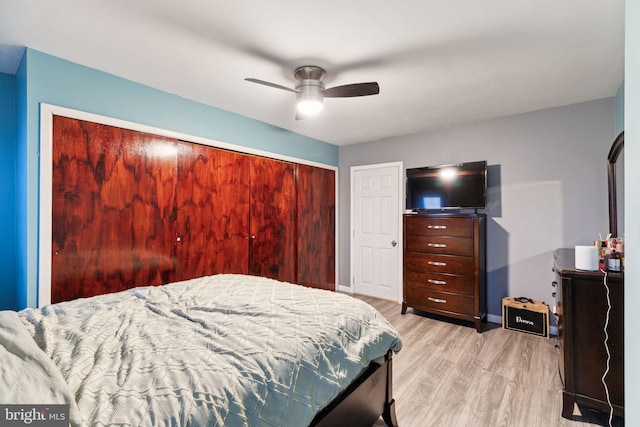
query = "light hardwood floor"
{"x": 447, "y": 374}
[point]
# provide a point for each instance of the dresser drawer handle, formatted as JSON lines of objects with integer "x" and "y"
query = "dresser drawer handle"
{"x": 439, "y": 264}
{"x": 437, "y": 282}
{"x": 436, "y": 245}
{"x": 438, "y": 300}
{"x": 437, "y": 227}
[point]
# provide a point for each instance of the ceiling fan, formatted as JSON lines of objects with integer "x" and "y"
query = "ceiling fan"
{"x": 310, "y": 89}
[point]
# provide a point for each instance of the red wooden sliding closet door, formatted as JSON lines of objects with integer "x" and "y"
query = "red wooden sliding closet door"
{"x": 112, "y": 192}
{"x": 316, "y": 227}
{"x": 212, "y": 211}
{"x": 133, "y": 209}
{"x": 273, "y": 219}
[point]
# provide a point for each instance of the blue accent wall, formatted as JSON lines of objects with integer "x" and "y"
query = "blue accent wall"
{"x": 47, "y": 79}
{"x": 9, "y": 292}
{"x": 21, "y": 184}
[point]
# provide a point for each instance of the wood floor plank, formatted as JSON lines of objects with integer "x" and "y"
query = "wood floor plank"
{"x": 449, "y": 375}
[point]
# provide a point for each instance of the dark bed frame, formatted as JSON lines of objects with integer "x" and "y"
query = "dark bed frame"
{"x": 364, "y": 401}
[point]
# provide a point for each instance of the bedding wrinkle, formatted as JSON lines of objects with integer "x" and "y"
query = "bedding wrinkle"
{"x": 225, "y": 350}
{"x": 28, "y": 374}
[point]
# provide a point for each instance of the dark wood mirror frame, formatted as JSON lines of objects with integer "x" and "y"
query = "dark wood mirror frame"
{"x": 616, "y": 148}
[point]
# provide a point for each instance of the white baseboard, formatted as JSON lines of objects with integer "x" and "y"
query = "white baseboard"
{"x": 345, "y": 289}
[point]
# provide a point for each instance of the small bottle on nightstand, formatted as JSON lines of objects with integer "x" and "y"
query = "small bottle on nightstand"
{"x": 613, "y": 262}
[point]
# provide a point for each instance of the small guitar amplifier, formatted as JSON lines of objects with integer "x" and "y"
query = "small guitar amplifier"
{"x": 525, "y": 315}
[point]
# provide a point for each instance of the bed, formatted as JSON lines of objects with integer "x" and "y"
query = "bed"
{"x": 223, "y": 350}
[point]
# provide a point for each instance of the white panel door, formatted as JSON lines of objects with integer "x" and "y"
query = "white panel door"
{"x": 376, "y": 240}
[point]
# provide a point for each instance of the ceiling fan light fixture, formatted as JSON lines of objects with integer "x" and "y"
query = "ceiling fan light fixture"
{"x": 309, "y": 105}
{"x": 310, "y": 99}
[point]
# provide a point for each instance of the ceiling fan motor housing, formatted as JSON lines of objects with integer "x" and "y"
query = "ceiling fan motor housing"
{"x": 310, "y": 83}
{"x": 309, "y": 88}
{"x": 309, "y": 72}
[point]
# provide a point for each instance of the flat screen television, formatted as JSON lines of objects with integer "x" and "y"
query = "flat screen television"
{"x": 457, "y": 186}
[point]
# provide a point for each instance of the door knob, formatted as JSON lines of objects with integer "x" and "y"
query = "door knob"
{"x": 394, "y": 243}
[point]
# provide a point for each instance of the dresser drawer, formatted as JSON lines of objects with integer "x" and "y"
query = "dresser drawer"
{"x": 439, "y": 300}
{"x": 433, "y": 226}
{"x": 441, "y": 245}
{"x": 439, "y": 282}
{"x": 462, "y": 266}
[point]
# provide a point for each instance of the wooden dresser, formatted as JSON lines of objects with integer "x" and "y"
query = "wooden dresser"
{"x": 444, "y": 265}
{"x": 581, "y": 313}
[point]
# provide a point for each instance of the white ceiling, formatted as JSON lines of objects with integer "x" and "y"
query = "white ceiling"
{"x": 438, "y": 63}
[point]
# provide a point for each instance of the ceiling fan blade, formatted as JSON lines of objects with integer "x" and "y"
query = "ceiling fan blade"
{"x": 355, "y": 89}
{"x": 262, "y": 82}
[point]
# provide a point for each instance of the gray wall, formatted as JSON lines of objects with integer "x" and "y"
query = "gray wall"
{"x": 547, "y": 187}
